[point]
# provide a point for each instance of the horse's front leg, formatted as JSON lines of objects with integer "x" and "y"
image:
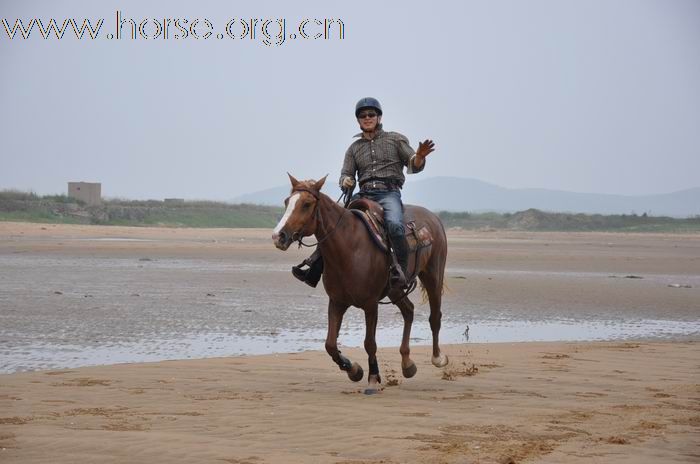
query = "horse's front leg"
{"x": 408, "y": 367}
{"x": 371, "y": 314}
{"x": 335, "y": 319}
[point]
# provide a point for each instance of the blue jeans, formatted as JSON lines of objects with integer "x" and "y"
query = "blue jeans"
{"x": 393, "y": 209}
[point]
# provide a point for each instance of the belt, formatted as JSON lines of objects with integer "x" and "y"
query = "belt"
{"x": 374, "y": 184}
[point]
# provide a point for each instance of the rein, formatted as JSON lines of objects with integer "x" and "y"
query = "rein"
{"x": 318, "y": 218}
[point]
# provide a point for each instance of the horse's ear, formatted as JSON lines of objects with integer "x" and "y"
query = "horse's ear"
{"x": 293, "y": 180}
{"x": 319, "y": 184}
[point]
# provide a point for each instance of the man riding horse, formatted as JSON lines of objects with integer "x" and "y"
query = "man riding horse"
{"x": 378, "y": 159}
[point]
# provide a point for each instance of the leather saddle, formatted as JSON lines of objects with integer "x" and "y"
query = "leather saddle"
{"x": 372, "y": 215}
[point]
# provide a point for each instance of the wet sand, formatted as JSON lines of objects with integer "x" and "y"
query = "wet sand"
{"x": 70, "y": 290}
{"x": 495, "y": 403}
{"x": 79, "y": 295}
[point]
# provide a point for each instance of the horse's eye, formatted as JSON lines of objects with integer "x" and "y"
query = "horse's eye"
{"x": 306, "y": 205}
{"x": 286, "y": 202}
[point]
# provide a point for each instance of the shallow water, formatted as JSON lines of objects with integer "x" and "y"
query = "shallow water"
{"x": 64, "y": 311}
{"x": 35, "y": 356}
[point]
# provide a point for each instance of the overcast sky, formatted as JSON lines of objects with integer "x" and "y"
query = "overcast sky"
{"x": 588, "y": 96}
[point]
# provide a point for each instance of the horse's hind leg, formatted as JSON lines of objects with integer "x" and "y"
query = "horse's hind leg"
{"x": 371, "y": 315}
{"x": 408, "y": 367}
{"x": 335, "y": 319}
{"x": 432, "y": 282}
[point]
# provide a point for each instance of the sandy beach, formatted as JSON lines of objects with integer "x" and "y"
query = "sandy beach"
{"x": 532, "y": 402}
{"x": 617, "y": 378}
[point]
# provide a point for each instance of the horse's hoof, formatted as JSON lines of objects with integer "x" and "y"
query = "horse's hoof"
{"x": 440, "y": 361}
{"x": 409, "y": 371}
{"x": 375, "y": 384}
{"x": 356, "y": 373}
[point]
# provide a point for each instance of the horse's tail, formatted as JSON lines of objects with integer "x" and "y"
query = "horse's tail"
{"x": 424, "y": 292}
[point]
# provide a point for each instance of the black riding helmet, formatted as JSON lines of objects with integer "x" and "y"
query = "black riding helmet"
{"x": 368, "y": 102}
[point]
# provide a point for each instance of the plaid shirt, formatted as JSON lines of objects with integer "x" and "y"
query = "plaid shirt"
{"x": 380, "y": 158}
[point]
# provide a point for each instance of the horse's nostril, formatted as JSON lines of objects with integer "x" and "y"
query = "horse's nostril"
{"x": 282, "y": 236}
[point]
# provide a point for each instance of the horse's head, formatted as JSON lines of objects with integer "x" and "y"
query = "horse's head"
{"x": 300, "y": 217}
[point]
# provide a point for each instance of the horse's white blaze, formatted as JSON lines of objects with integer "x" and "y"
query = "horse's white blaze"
{"x": 290, "y": 209}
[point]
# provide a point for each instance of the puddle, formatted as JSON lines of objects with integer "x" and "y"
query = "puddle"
{"x": 37, "y": 356}
{"x": 191, "y": 264}
{"x": 70, "y": 311}
{"x": 113, "y": 239}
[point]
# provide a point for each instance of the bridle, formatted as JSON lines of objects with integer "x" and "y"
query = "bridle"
{"x": 297, "y": 236}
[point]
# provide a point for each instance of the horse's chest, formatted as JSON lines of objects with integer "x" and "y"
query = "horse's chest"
{"x": 356, "y": 288}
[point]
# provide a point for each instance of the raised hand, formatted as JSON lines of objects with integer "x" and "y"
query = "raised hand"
{"x": 425, "y": 148}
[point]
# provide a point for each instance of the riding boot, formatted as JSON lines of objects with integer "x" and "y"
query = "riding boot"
{"x": 312, "y": 275}
{"x": 399, "y": 274}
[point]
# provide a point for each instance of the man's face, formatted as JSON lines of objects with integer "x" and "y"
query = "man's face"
{"x": 368, "y": 119}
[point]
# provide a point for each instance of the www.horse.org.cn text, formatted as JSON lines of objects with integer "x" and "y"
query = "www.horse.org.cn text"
{"x": 267, "y": 31}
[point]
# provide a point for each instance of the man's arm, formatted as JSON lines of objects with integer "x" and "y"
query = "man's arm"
{"x": 349, "y": 168}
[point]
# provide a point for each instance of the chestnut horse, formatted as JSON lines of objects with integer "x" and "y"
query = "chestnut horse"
{"x": 356, "y": 271}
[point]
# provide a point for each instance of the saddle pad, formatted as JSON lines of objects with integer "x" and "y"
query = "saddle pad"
{"x": 418, "y": 238}
{"x": 373, "y": 227}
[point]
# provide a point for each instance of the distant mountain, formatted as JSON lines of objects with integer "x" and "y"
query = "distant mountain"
{"x": 461, "y": 194}
{"x": 273, "y": 196}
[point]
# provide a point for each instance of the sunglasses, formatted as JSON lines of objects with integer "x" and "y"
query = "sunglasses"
{"x": 370, "y": 114}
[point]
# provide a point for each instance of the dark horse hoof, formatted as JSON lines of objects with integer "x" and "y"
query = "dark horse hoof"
{"x": 409, "y": 371}
{"x": 359, "y": 373}
{"x": 375, "y": 384}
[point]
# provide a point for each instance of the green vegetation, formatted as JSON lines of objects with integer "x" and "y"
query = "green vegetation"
{"x": 534, "y": 219}
{"x": 29, "y": 207}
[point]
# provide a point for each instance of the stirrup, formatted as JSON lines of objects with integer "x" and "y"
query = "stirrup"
{"x": 300, "y": 273}
{"x": 397, "y": 278}
{"x": 310, "y": 276}
{"x": 398, "y": 294}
